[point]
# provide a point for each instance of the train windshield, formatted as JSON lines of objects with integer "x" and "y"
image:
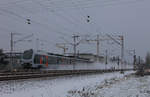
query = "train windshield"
{"x": 27, "y": 54}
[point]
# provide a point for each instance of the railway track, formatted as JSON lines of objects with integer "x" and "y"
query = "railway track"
{"x": 51, "y": 73}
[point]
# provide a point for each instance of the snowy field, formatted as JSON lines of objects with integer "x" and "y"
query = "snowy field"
{"x": 56, "y": 87}
{"x": 133, "y": 87}
{"x": 129, "y": 86}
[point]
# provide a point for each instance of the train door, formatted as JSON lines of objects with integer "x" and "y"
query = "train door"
{"x": 46, "y": 61}
{"x": 43, "y": 59}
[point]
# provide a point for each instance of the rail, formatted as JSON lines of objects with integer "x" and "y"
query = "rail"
{"x": 51, "y": 73}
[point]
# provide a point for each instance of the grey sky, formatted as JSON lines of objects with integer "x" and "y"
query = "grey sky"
{"x": 61, "y": 18}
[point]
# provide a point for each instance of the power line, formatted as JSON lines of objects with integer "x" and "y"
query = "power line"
{"x": 58, "y": 15}
{"x": 71, "y": 20}
{"x": 21, "y": 17}
{"x": 81, "y": 3}
{"x": 88, "y": 17}
{"x": 86, "y": 3}
{"x": 84, "y": 16}
{"x": 14, "y": 2}
{"x": 48, "y": 13}
{"x": 35, "y": 22}
{"x": 76, "y": 19}
{"x": 111, "y": 3}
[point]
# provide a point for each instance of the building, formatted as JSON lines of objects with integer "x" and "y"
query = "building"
{"x": 15, "y": 57}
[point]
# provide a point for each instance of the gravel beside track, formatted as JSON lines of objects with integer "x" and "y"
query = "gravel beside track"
{"x": 51, "y": 73}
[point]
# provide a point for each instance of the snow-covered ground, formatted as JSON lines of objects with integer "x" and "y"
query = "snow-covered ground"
{"x": 129, "y": 86}
{"x": 55, "y": 87}
{"x": 134, "y": 87}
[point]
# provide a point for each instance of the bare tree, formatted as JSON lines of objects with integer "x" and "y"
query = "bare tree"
{"x": 147, "y": 59}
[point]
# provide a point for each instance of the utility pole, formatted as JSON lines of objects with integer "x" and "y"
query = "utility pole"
{"x": 139, "y": 60}
{"x": 134, "y": 59}
{"x": 121, "y": 43}
{"x": 75, "y": 44}
{"x": 37, "y": 44}
{"x": 75, "y": 48}
{"x": 12, "y": 43}
{"x": 11, "y": 51}
{"x": 106, "y": 59}
{"x": 122, "y": 50}
{"x": 118, "y": 61}
{"x": 97, "y": 40}
{"x": 98, "y": 43}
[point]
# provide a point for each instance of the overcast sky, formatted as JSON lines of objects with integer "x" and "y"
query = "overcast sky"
{"x": 53, "y": 21}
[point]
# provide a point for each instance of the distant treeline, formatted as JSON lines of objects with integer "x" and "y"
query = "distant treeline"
{"x": 147, "y": 60}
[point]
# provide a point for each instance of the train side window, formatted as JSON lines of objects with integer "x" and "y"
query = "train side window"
{"x": 37, "y": 59}
{"x": 49, "y": 60}
{"x": 57, "y": 60}
{"x": 52, "y": 60}
{"x": 70, "y": 61}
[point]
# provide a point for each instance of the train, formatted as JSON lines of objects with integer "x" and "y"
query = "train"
{"x": 40, "y": 59}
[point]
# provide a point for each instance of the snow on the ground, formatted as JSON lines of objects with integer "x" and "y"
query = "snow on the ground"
{"x": 53, "y": 87}
{"x": 134, "y": 87}
{"x": 131, "y": 86}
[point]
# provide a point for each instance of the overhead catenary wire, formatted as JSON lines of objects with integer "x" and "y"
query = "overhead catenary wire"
{"x": 78, "y": 22}
{"x": 44, "y": 25}
{"x": 83, "y": 17}
{"x": 110, "y": 3}
{"x": 59, "y": 2}
{"x": 88, "y": 16}
{"x": 65, "y": 17}
{"x": 20, "y": 17}
{"x": 115, "y": 0}
{"x": 12, "y": 13}
{"x": 81, "y": 3}
{"x": 34, "y": 22}
{"x": 70, "y": 16}
{"x": 93, "y": 22}
{"x": 57, "y": 15}
{"x": 90, "y": 5}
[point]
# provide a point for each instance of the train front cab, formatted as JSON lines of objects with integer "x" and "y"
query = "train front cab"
{"x": 27, "y": 58}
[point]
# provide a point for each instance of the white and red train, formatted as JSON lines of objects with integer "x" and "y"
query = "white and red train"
{"x": 38, "y": 59}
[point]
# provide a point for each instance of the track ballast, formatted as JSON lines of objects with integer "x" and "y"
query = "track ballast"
{"x": 51, "y": 73}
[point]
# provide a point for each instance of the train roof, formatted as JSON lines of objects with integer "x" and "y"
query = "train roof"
{"x": 57, "y": 55}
